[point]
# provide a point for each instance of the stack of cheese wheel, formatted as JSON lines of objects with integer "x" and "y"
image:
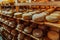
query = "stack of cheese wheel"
{"x": 41, "y": 16}
{"x": 28, "y": 16}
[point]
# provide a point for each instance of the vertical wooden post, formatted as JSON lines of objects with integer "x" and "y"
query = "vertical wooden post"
{"x": 0, "y": 7}
{"x": 17, "y": 8}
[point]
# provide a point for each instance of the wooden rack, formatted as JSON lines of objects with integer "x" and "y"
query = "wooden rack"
{"x": 57, "y": 4}
{"x": 45, "y": 23}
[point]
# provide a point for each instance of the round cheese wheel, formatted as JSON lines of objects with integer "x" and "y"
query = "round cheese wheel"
{"x": 51, "y": 18}
{"x": 53, "y": 35}
{"x": 37, "y": 33}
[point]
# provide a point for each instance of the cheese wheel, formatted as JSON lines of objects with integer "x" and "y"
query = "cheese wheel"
{"x": 8, "y": 12}
{"x": 37, "y": 33}
{"x": 27, "y": 16}
{"x": 18, "y": 15}
{"x": 56, "y": 13}
{"x": 53, "y": 35}
{"x": 52, "y": 18}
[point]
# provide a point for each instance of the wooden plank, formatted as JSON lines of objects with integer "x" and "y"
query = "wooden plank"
{"x": 55, "y": 3}
{"x": 52, "y": 24}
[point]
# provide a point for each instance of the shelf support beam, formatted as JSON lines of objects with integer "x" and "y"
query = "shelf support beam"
{"x": 17, "y": 8}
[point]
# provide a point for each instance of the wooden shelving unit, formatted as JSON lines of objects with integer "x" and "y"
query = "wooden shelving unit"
{"x": 55, "y": 3}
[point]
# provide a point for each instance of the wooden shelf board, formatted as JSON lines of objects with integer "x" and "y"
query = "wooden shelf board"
{"x": 55, "y": 3}
{"x": 51, "y": 3}
{"x": 52, "y": 24}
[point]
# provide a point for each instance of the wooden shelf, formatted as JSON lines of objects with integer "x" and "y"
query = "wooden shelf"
{"x": 52, "y": 24}
{"x": 55, "y": 3}
{"x": 51, "y": 3}
{"x": 45, "y": 23}
{"x": 48, "y": 24}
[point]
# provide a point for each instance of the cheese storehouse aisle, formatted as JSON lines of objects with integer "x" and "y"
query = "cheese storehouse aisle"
{"x": 29, "y": 19}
